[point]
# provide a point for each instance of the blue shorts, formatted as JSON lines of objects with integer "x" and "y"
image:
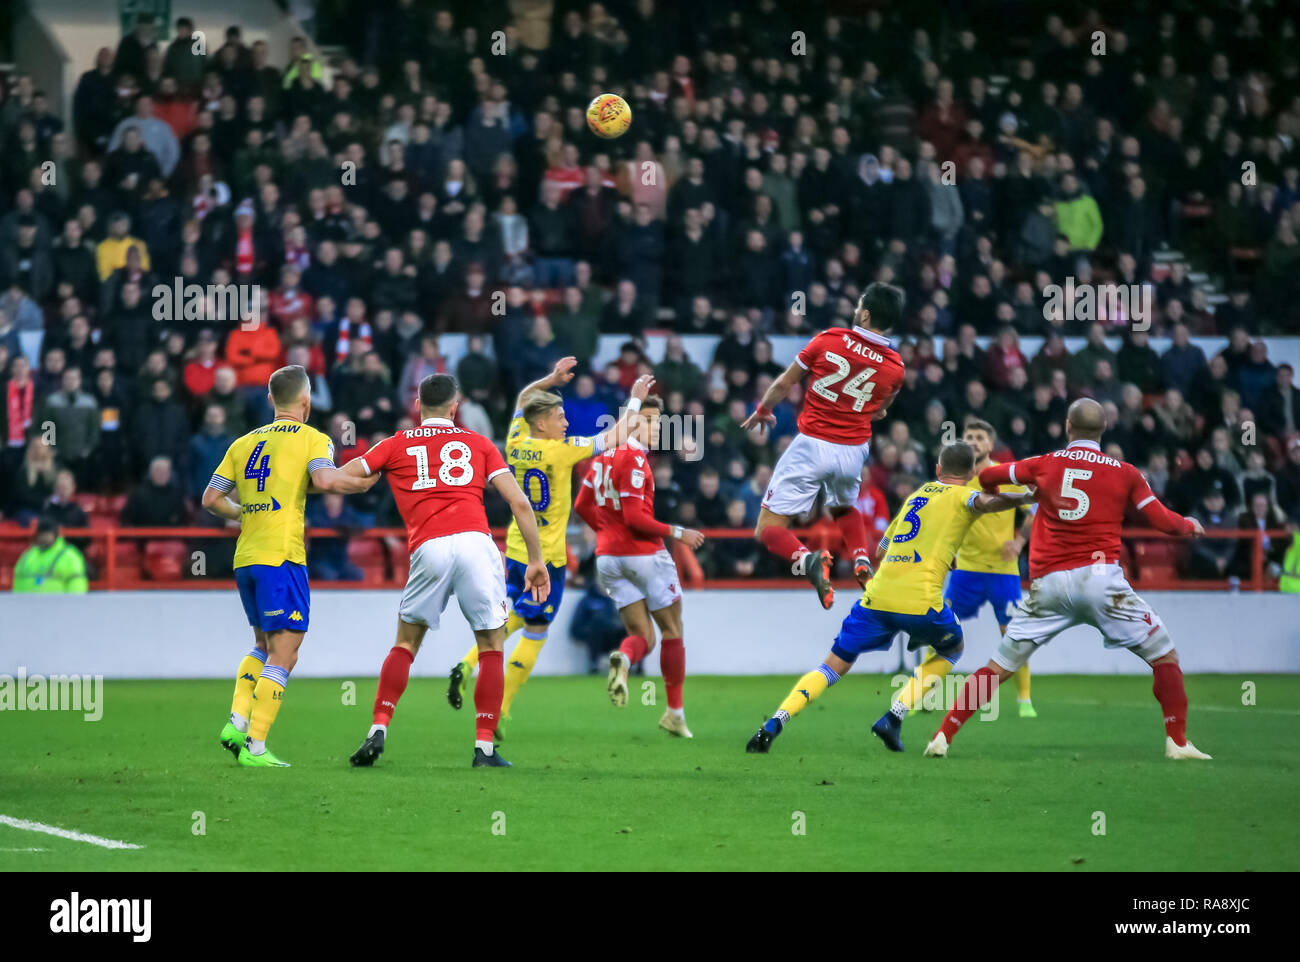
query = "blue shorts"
{"x": 275, "y": 598}
{"x": 522, "y": 601}
{"x": 968, "y": 590}
{"x": 866, "y": 629}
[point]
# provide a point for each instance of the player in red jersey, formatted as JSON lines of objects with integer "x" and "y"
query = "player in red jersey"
{"x": 855, "y": 375}
{"x": 632, "y": 565}
{"x": 1075, "y": 573}
{"x": 438, "y": 474}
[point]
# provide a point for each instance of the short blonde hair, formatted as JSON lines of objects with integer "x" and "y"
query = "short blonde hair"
{"x": 539, "y": 404}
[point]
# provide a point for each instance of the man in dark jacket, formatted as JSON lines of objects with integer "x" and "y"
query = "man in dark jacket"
{"x": 161, "y": 429}
{"x": 158, "y": 501}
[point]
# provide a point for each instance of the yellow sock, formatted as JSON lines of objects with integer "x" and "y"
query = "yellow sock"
{"x": 245, "y": 678}
{"x": 925, "y": 677}
{"x": 520, "y": 665}
{"x": 1022, "y": 682}
{"x": 806, "y": 690}
{"x": 513, "y": 624}
{"x": 267, "y": 696}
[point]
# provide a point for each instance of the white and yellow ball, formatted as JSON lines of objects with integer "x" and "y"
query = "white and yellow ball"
{"x": 609, "y": 116}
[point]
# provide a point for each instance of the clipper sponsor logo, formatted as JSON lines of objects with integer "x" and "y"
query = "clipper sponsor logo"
{"x": 77, "y": 916}
{"x": 258, "y": 506}
{"x": 23, "y": 692}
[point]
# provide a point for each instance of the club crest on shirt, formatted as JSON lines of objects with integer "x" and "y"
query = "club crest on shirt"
{"x": 638, "y": 479}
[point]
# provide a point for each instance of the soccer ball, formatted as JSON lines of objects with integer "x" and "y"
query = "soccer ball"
{"x": 609, "y": 116}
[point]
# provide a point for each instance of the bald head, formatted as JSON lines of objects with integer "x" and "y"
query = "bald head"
{"x": 1085, "y": 420}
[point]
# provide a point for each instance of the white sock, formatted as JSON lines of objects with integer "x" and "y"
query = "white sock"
{"x": 239, "y": 721}
{"x": 800, "y": 564}
{"x": 378, "y": 728}
{"x": 485, "y": 746}
{"x": 677, "y": 712}
{"x": 256, "y": 747}
{"x": 898, "y": 711}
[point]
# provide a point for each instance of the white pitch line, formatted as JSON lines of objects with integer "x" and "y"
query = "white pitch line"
{"x": 24, "y": 849}
{"x": 23, "y": 825}
{"x": 1193, "y": 707}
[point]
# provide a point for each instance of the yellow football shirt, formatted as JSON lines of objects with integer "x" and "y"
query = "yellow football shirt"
{"x": 270, "y": 468}
{"x": 920, "y": 544}
{"x": 982, "y": 549}
{"x": 544, "y": 470}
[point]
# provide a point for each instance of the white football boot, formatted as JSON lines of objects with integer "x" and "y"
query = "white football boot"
{"x": 618, "y": 666}
{"x": 675, "y": 724}
{"x": 1184, "y": 751}
{"x": 938, "y": 747}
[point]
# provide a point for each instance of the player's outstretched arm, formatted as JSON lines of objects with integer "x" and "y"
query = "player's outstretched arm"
{"x": 1161, "y": 518}
{"x": 352, "y": 478}
{"x": 773, "y": 396}
{"x": 628, "y": 418}
{"x": 562, "y": 373}
{"x": 639, "y": 517}
{"x": 536, "y": 578}
{"x": 216, "y": 502}
{"x": 984, "y": 503}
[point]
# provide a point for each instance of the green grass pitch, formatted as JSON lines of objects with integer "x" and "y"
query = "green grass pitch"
{"x": 600, "y": 788}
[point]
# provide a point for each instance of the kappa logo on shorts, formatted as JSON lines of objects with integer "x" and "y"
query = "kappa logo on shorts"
{"x": 295, "y": 616}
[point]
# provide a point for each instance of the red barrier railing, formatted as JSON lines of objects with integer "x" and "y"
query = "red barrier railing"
{"x": 118, "y": 563}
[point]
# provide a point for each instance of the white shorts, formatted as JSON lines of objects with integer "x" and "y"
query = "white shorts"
{"x": 631, "y": 578}
{"x": 466, "y": 564}
{"x": 810, "y": 466}
{"x": 1097, "y": 595}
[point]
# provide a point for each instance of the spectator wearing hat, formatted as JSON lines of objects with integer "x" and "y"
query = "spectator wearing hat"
{"x": 1212, "y": 557}
{"x": 51, "y": 565}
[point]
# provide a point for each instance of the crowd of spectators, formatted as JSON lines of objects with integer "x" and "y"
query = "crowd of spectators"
{"x": 436, "y": 180}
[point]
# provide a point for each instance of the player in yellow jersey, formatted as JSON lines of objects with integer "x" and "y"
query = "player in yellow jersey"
{"x": 906, "y": 593}
{"x": 542, "y": 459}
{"x": 988, "y": 564}
{"x": 270, "y": 469}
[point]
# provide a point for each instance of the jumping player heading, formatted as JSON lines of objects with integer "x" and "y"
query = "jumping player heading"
{"x": 855, "y": 375}
{"x": 1075, "y": 572}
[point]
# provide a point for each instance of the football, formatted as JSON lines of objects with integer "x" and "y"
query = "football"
{"x": 609, "y": 116}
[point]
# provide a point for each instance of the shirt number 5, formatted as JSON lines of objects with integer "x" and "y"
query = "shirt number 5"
{"x": 1068, "y": 490}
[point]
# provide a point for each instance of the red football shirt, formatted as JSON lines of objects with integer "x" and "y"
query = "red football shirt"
{"x": 1082, "y": 494}
{"x": 853, "y": 373}
{"x": 616, "y": 477}
{"x": 437, "y": 473}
